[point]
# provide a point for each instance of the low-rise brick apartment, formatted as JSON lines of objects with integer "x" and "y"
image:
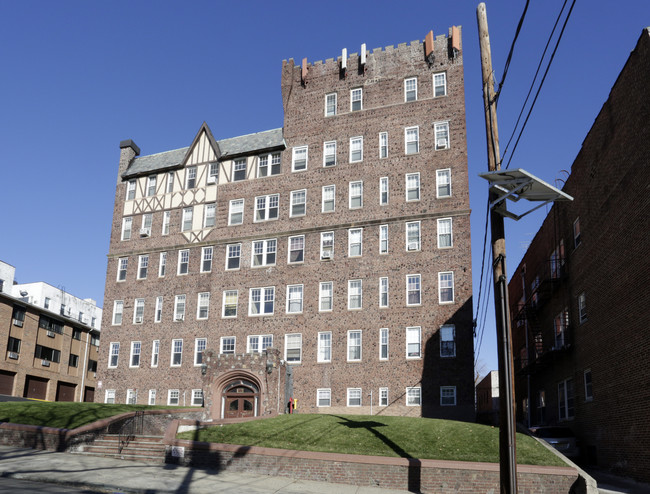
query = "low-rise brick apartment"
{"x": 51, "y": 345}
{"x": 326, "y": 261}
{"x": 579, "y": 298}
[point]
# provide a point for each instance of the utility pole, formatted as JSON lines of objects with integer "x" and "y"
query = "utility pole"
{"x": 507, "y": 446}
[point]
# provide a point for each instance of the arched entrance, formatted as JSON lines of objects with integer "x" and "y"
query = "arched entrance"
{"x": 239, "y": 398}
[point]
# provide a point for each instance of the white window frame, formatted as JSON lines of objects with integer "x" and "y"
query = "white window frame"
{"x": 413, "y": 286}
{"x": 441, "y": 135}
{"x": 383, "y": 292}
{"x": 118, "y": 312}
{"x": 355, "y": 286}
{"x": 232, "y": 249}
{"x": 158, "y": 314}
{"x": 356, "y": 149}
{"x": 412, "y": 186}
{"x": 136, "y": 351}
{"x": 207, "y": 254}
{"x": 298, "y": 198}
{"x": 179, "y": 307}
{"x": 275, "y": 160}
{"x": 170, "y": 182}
{"x": 213, "y": 173}
{"x": 264, "y": 294}
{"x": 162, "y": 264}
{"x": 114, "y": 354}
{"x": 167, "y": 217}
{"x": 236, "y": 212}
{"x": 227, "y": 345}
{"x": 228, "y": 295}
{"x": 268, "y": 246}
{"x": 354, "y": 394}
{"x": 411, "y": 244}
{"x": 414, "y": 337}
{"x": 383, "y": 397}
{"x": 173, "y": 397}
{"x": 152, "y": 397}
{"x": 239, "y": 165}
{"x": 258, "y": 343}
{"x": 443, "y": 179}
{"x": 330, "y": 106}
{"x": 297, "y": 159}
{"x": 412, "y": 140}
{"x": 293, "y": 345}
{"x": 203, "y": 304}
{"x": 130, "y": 190}
{"x": 210, "y": 215}
{"x": 295, "y": 295}
{"x": 147, "y": 221}
{"x": 383, "y": 239}
{"x": 356, "y": 194}
{"x": 589, "y": 386}
{"x": 384, "y": 195}
{"x": 109, "y": 396}
{"x": 445, "y": 230}
{"x": 293, "y": 243}
{"x": 138, "y": 311}
{"x": 127, "y": 228}
{"x": 355, "y": 345}
{"x": 122, "y": 267}
{"x": 190, "y": 177}
{"x": 447, "y": 351}
{"x": 353, "y": 232}
{"x": 410, "y": 89}
{"x": 183, "y": 262}
{"x": 325, "y": 296}
{"x": 326, "y": 245}
{"x": 176, "y": 349}
{"x": 188, "y": 218}
{"x": 414, "y": 396}
{"x": 566, "y": 411}
{"x": 356, "y": 96}
{"x": 197, "y": 397}
{"x": 383, "y": 145}
{"x": 323, "y": 397}
{"x": 324, "y": 353}
{"x": 384, "y": 341}
{"x": 155, "y": 353}
{"x": 582, "y": 307}
{"x": 143, "y": 266}
{"x": 328, "y": 197}
{"x": 446, "y": 282}
{"x": 267, "y": 208}
{"x": 437, "y": 84}
{"x": 329, "y": 154}
{"x": 151, "y": 185}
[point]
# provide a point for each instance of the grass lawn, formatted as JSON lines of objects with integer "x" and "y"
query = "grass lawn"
{"x": 63, "y": 415}
{"x": 377, "y": 436}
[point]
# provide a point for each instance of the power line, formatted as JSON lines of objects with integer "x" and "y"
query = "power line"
{"x": 512, "y": 49}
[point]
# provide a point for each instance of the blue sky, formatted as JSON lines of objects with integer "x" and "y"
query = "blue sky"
{"x": 77, "y": 77}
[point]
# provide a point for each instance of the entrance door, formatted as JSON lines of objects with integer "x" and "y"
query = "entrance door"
{"x": 6, "y": 382}
{"x": 240, "y": 399}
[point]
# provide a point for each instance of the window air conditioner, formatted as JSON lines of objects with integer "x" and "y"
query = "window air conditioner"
{"x": 45, "y": 363}
{"x": 327, "y": 254}
{"x": 13, "y": 355}
{"x": 180, "y": 317}
{"x": 138, "y": 320}
{"x": 145, "y": 232}
{"x": 413, "y": 246}
{"x": 441, "y": 144}
{"x": 212, "y": 179}
{"x": 50, "y": 334}
{"x": 18, "y": 323}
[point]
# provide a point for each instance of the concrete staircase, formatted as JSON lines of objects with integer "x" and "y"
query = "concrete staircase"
{"x": 139, "y": 448}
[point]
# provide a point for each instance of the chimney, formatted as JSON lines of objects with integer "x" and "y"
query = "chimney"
{"x": 428, "y": 48}
{"x": 128, "y": 151}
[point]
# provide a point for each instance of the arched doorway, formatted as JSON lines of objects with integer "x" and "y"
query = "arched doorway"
{"x": 239, "y": 398}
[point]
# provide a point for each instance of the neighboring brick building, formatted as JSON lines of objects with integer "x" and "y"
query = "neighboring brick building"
{"x": 341, "y": 241}
{"x": 48, "y": 355}
{"x": 579, "y": 298}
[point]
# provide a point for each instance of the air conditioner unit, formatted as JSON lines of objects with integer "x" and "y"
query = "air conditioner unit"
{"x": 441, "y": 143}
{"x": 50, "y": 334}
{"x": 13, "y": 355}
{"x": 413, "y": 246}
{"x": 212, "y": 179}
{"x": 145, "y": 232}
{"x": 180, "y": 318}
{"x": 327, "y": 254}
{"x": 45, "y": 363}
{"x": 138, "y": 320}
{"x": 18, "y": 323}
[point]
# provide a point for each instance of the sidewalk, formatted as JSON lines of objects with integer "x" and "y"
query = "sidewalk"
{"x": 123, "y": 476}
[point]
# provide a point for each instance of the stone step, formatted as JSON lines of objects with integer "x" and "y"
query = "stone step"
{"x": 141, "y": 448}
{"x": 122, "y": 456}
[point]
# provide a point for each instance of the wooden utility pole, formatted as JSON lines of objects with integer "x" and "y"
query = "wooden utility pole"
{"x": 507, "y": 446}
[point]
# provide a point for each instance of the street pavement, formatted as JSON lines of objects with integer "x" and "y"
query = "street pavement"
{"x": 122, "y": 476}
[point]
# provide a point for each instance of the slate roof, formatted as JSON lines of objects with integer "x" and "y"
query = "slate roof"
{"x": 268, "y": 139}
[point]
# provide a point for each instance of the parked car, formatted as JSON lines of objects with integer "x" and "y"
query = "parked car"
{"x": 561, "y": 438}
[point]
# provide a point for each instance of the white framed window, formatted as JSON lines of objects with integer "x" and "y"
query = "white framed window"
{"x": 138, "y": 312}
{"x": 190, "y": 177}
{"x": 158, "y": 313}
{"x": 413, "y": 342}
{"x": 197, "y": 397}
{"x": 162, "y": 264}
{"x": 188, "y": 213}
{"x": 131, "y": 397}
{"x": 167, "y": 217}
{"x": 560, "y": 323}
{"x": 118, "y": 309}
{"x": 227, "y": 345}
{"x": 443, "y": 183}
{"x": 263, "y": 168}
{"x": 413, "y": 289}
{"x": 267, "y": 207}
{"x": 135, "y": 354}
{"x": 209, "y": 215}
{"x": 383, "y": 145}
{"x": 589, "y": 391}
{"x": 264, "y": 252}
{"x": 445, "y": 238}
{"x": 330, "y": 104}
{"x": 356, "y": 149}
{"x": 143, "y": 266}
{"x": 383, "y": 344}
{"x": 411, "y": 89}
{"x": 127, "y": 224}
{"x": 296, "y": 249}
{"x": 130, "y": 190}
{"x": 354, "y": 397}
{"x": 582, "y": 307}
{"x": 173, "y": 397}
{"x": 206, "y": 259}
{"x": 439, "y": 84}
{"x": 355, "y": 242}
{"x": 576, "y": 233}
{"x": 233, "y": 256}
{"x": 109, "y": 396}
{"x": 177, "y": 353}
{"x": 113, "y": 355}
{"x": 448, "y": 341}
{"x": 293, "y": 348}
{"x": 151, "y": 185}
{"x": 329, "y": 198}
{"x": 446, "y": 287}
{"x": 356, "y": 194}
{"x": 447, "y": 396}
{"x": 355, "y": 294}
{"x": 236, "y": 212}
{"x": 383, "y": 239}
{"x": 383, "y": 191}
{"x": 183, "y": 262}
{"x": 383, "y": 397}
{"x": 356, "y": 99}
{"x": 170, "y": 182}
{"x": 230, "y": 303}
{"x": 325, "y": 296}
{"x": 412, "y": 187}
{"x": 122, "y": 265}
{"x": 239, "y": 170}
{"x": 294, "y": 299}
{"x": 203, "y": 305}
{"x": 566, "y": 399}
{"x": 261, "y": 301}
{"x": 441, "y": 131}
{"x": 323, "y": 397}
{"x": 155, "y": 351}
{"x": 383, "y": 291}
{"x": 179, "y": 307}
{"x": 413, "y": 235}
{"x": 413, "y": 397}
{"x": 299, "y": 158}
{"x": 298, "y": 203}
{"x": 152, "y": 397}
{"x": 147, "y": 220}
{"x": 259, "y": 343}
{"x": 326, "y": 245}
{"x": 324, "y": 346}
{"x": 412, "y": 140}
{"x": 213, "y": 173}
{"x": 329, "y": 153}
{"x": 354, "y": 345}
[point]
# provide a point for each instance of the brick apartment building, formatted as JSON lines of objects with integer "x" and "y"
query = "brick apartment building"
{"x": 49, "y": 355}
{"x": 328, "y": 260}
{"x": 579, "y": 298}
